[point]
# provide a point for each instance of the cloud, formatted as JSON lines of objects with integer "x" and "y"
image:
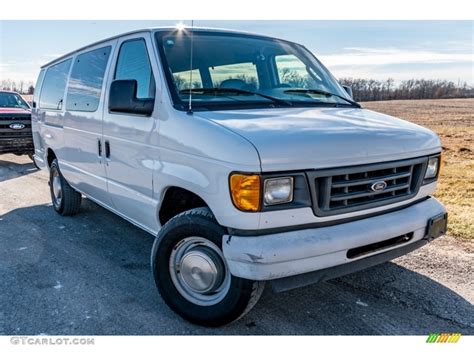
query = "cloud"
{"x": 361, "y": 56}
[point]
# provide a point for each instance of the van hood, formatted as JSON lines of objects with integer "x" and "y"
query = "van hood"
{"x": 307, "y": 138}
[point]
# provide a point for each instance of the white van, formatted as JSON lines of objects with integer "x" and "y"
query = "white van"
{"x": 244, "y": 157}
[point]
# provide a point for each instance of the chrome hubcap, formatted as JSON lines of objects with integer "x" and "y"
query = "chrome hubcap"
{"x": 57, "y": 189}
{"x": 198, "y": 271}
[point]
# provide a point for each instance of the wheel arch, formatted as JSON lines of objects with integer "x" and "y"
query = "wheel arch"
{"x": 50, "y": 156}
{"x": 176, "y": 200}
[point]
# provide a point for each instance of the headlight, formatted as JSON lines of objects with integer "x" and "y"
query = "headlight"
{"x": 432, "y": 168}
{"x": 277, "y": 191}
{"x": 269, "y": 192}
{"x": 245, "y": 192}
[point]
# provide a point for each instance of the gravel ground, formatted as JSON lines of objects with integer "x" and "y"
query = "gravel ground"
{"x": 89, "y": 275}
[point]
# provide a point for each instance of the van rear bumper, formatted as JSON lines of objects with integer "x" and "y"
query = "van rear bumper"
{"x": 282, "y": 255}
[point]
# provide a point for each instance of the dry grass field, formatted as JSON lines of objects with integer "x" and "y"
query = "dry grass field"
{"x": 453, "y": 121}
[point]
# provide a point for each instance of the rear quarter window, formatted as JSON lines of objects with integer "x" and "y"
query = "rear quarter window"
{"x": 54, "y": 85}
{"x": 85, "y": 83}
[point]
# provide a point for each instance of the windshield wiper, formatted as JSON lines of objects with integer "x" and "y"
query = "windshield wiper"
{"x": 230, "y": 91}
{"x": 321, "y": 92}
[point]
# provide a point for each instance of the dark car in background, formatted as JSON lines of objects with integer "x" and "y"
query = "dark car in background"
{"x": 15, "y": 125}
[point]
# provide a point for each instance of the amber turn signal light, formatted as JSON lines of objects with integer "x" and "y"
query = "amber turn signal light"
{"x": 246, "y": 192}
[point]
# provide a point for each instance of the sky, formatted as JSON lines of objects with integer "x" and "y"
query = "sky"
{"x": 399, "y": 50}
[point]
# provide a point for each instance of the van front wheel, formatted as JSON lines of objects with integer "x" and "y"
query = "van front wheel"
{"x": 66, "y": 200}
{"x": 191, "y": 273}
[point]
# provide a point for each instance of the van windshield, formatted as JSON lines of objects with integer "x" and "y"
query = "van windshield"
{"x": 230, "y": 70}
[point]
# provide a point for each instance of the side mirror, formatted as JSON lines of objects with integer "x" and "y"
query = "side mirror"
{"x": 348, "y": 90}
{"x": 123, "y": 98}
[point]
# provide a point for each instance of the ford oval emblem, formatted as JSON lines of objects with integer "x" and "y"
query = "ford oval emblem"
{"x": 17, "y": 126}
{"x": 379, "y": 186}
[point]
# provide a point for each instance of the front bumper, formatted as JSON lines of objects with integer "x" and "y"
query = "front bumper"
{"x": 17, "y": 145}
{"x": 281, "y": 255}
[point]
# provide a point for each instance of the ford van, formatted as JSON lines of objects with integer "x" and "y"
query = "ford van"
{"x": 242, "y": 155}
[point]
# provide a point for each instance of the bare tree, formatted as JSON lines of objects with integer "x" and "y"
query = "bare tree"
{"x": 371, "y": 90}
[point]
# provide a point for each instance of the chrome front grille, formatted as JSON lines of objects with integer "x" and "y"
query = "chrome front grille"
{"x": 7, "y": 120}
{"x": 343, "y": 190}
{"x": 14, "y": 117}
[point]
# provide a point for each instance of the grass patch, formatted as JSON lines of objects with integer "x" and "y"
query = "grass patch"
{"x": 456, "y": 191}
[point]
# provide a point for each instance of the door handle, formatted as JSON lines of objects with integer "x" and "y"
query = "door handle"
{"x": 99, "y": 147}
{"x": 107, "y": 149}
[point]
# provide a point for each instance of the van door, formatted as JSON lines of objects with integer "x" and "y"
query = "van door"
{"x": 83, "y": 153}
{"x": 131, "y": 140}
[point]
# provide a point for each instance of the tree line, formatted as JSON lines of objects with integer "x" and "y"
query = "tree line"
{"x": 377, "y": 90}
{"x": 363, "y": 89}
{"x": 20, "y": 86}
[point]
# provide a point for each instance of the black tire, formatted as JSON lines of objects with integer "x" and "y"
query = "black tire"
{"x": 70, "y": 201}
{"x": 242, "y": 294}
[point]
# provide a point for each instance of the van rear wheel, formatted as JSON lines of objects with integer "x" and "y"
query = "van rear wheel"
{"x": 66, "y": 200}
{"x": 191, "y": 273}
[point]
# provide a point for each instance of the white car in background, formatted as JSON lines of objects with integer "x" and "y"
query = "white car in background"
{"x": 244, "y": 157}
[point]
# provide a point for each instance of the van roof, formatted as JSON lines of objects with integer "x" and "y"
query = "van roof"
{"x": 150, "y": 29}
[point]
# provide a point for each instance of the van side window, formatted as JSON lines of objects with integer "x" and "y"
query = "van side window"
{"x": 54, "y": 85}
{"x": 133, "y": 64}
{"x": 85, "y": 83}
